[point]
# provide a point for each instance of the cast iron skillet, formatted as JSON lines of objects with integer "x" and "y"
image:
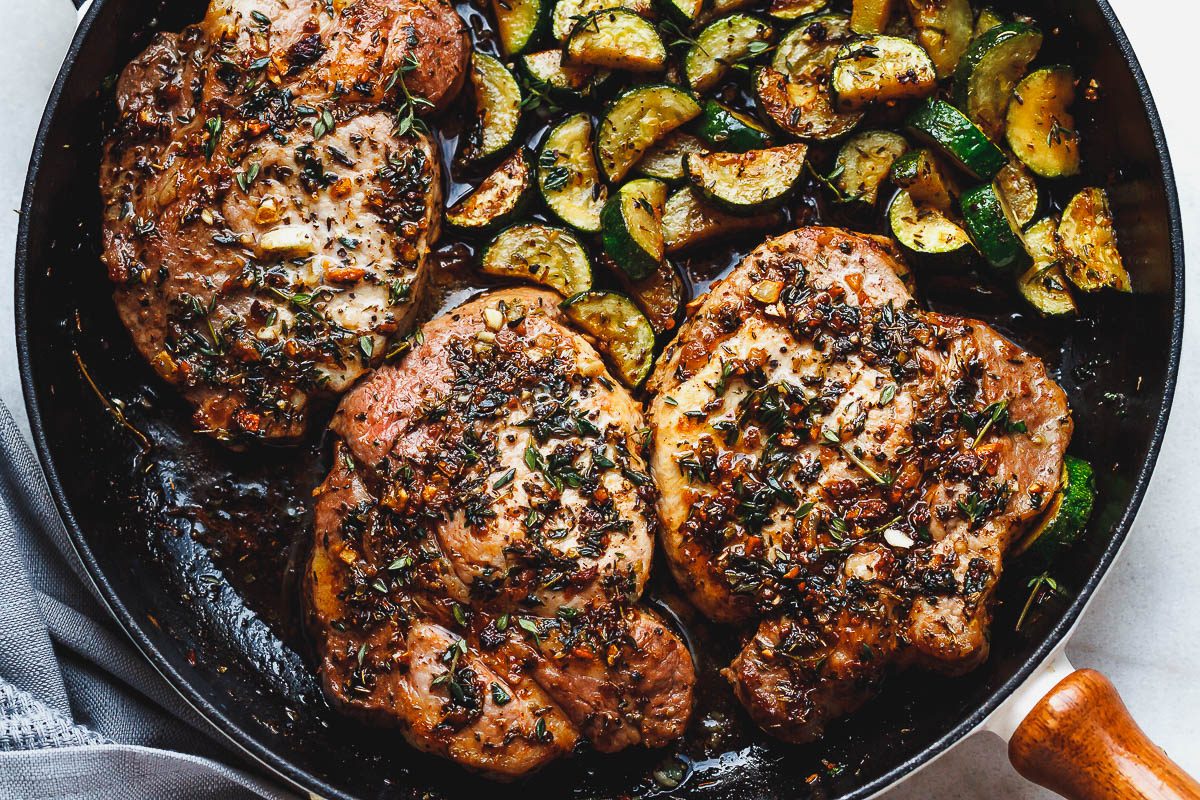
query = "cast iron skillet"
{"x": 194, "y": 546}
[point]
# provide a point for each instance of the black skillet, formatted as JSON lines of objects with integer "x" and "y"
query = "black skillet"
{"x": 194, "y": 546}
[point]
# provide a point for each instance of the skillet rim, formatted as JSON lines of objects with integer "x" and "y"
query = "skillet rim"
{"x": 301, "y": 779}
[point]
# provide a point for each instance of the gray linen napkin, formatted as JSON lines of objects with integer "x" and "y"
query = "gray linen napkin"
{"x": 82, "y": 713}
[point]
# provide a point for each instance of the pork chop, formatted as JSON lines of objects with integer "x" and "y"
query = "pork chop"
{"x": 266, "y": 224}
{"x": 845, "y": 471}
{"x": 481, "y": 542}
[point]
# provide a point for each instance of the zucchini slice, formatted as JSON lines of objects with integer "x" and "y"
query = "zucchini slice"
{"x": 620, "y": 330}
{"x": 568, "y": 12}
{"x": 543, "y": 254}
{"x": 927, "y": 233}
{"x": 497, "y": 109}
{"x": 944, "y": 28}
{"x": 870, "y": 16}
{"x": 992, "y": 227}
{"x": 688, "y": 221}
{"x": 948, "y": 129}
{"x": 865, "y": 161}
{"x": 721, "y": 45}
{"x": 567, "y": 174}
{"x": 722, "y": 128}
{"x": 631, "y": 226}
{"x": 991, "y": 68}
{"x": 788, "y": 10}
{"x": 548, "y": 74}
{"x": 881, "y": 69}
{"x": 988, "y": 18}
{"x": 1089, "y": 244}
{"x": 1044, "y": 285}
{"x": 1066, "y": 516}
{"x": 1040, "y": 128}
{"x": 684, "y": 13}
{"x": 636, "y": 120}
{"x": 748, "y": 183}
{"x": 922, "y": 176}
{"x": 499, "y": 199}
{"x": 519, "y": 23}
{"x": 665, "y": 160}
{"x": 660, "y": 295}
{"x": 616, "y": 38}
{"x": 1020, "y": 191}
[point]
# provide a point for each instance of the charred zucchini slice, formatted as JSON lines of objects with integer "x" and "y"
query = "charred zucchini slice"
{"x": 548, "y": 74}
{"x": 870, "y": 16}
{"x": 988, "y": 18}
{"x": 620, "y": 330}
{"x": 616, "y": 38}
{"x": 747, "y": 183}
{"x": 497, "y": 108}
{"x": 569, "y": 12}
{"x": 992, "y": 227}
{"x": 864, "y": 162}
{"x": 638, "y": 119}
{"x": 688, "y": 221}
{"x": 519, "y": 23}
{"x": 631, "y": 224}
{"x": 567, "y": 174}
{"x": 542, "y": 254}
{"x": 881, "y": 69}
{"x": 1066, "y": 516}
{"x": 788, "y": 10}
{"x": 665, "y": 160}
{"x": 1041, "y": 130}
{"x": 660, "y": 295}
{"x": 927, "y": 233}
{"x": 944, "y": 28}
{"x": 991, "y": 68}
{"x": 1044, "y": 285}
{"x": 1020, "y": 191}
{"x": 949, "y": 130}
{"x": 1089, "y": 244}
{"x": 720, "y": 45}
{"x": 922, "y": 176}
{"x": 499, "y": 199}
{"x": 722, "y": 128}
{"x": 684, "y": 13}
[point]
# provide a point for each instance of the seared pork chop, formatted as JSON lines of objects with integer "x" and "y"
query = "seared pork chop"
{"x": 845, "y": 470}
{"x": 265, "y": 222}
{"x": 481, "y": 542}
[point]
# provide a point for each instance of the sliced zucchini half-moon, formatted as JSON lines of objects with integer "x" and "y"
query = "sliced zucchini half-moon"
{"x": 497, "y": 109}
{"x": 990, "y": 69}
{"x": 616, "y": 38}
{"x": 548, "y": 74}
{"x": 499, "y": 199}
{"x": 748, "y": 183}
{"x": 519, "y": 23}
{"x": 948, "y": 129}
{"x": 944, "y": 28}
{"x": 660, "y": 295}
{"x": 542, "y": 254}
{"x": 863, "y": 163}
{"x": 722, "y": 128}
{"x": 720, "y": 45}
{"x": 665, "y": 160}
{"x": 789, "y": 10}
{"x": 922, "y": 176}
{"x": 927, "y": 233}
{"x": 1040, "y": 127}
{"x": 567, "y": 175}
{"x": 1020, "y": 191}
{"x": 684, "y": 13}
{"x": 638, "y": 119}
{"x": 1044, "y": 285}
{"x": 568, "y": 12}
{"x": 868, "y": 17}
{"x": 988, "y": 18}
{"x": 631, "y": 226}
{"x": 1089, "y": 243}
{"x": 1066, "y": 515}
{"x": 689, "y": 221}
{"x": 881, "y": 69}
{"x": 620, "y": 330}
{"x": 992, "y": 227}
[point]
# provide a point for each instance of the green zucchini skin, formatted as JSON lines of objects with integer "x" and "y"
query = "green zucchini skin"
{"x": 990, "y": 70}
{"x": 636, "y": 120}
{"x": 616, "y": 38}
{"x": 1089, "y": 243}
{"x": 498, "y": 110}
{"x": 928, "y": 235}
{"x": 750, "y": 183}
{"x": 724, "y": 129}
{"x": 568, "y": 177}
{"x": 991, "y": 227}
{"x": 631, "y": 226}
{"x": 880, "y": 69}
{"x": 688, "y": 221}
{"x": 1044, "y": 285}
{"x": 621, "y": 331}
{"x": 548, "y": 74}
{"x": 519, "y": 23}
{"x": 719, "y": 45}
{"x": 1066, "y": 519}
{"x": 864, "y": 163}
{"x": 665, "y": 160}
{"x": 961, "y": 140}
{"x": 1039, "y": 125}
{"x": 499, "y": 200}
{"x": 543, "y": 254}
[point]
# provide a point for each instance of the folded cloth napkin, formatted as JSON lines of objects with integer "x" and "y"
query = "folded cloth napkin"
{"x": 82, "y": 713}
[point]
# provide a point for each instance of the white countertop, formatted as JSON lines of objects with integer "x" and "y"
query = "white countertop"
{"x": 1143, "y": 627}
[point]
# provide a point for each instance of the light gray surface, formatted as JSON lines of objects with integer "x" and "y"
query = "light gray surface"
{"x": 1142, "y": 629}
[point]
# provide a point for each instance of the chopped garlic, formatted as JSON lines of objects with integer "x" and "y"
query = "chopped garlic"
{"x": 766, "y": 291}
{"x": 898, "y": 538}
{"x": 493, "y": 319}
{"x": 288, "y": 241}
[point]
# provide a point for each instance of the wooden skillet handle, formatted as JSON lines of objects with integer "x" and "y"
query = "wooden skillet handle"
{"x": 1080, "y": 742}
